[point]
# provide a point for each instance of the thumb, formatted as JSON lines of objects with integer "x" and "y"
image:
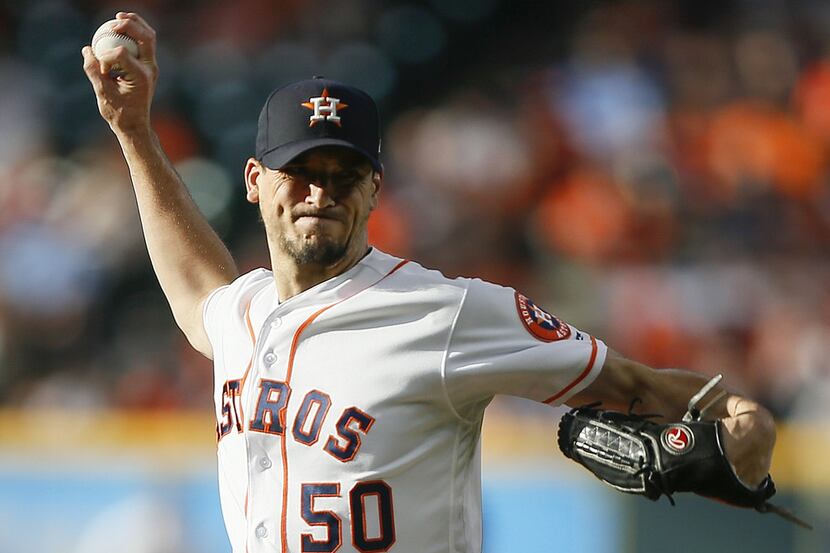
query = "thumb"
{"x": 118, "y": 62}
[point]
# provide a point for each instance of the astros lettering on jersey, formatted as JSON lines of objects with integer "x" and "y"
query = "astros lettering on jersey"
{"x": 349, "y": 415}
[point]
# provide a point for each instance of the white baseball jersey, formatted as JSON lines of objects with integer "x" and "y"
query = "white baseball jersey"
{"x": 349, "y": 415}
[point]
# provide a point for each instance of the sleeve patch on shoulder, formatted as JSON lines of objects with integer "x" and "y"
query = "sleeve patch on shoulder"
{"x": 539, "y": 322}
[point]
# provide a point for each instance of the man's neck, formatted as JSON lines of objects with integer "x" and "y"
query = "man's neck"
{"x": 292, "y": 278}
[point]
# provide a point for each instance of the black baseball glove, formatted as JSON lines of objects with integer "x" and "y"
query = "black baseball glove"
{"x": 634, "y": 454}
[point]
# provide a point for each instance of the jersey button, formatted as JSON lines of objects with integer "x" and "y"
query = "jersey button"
{"x": 270, "y": 358}
{"x": 276, "y": 323}
{"x": 265, "y": 463}
{"x": 261, "y": 531}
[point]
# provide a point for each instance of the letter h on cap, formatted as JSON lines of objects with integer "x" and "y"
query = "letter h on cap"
{"x": 324, "y": 112}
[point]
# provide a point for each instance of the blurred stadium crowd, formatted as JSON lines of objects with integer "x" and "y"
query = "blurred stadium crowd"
{"x": 654, "y": 172}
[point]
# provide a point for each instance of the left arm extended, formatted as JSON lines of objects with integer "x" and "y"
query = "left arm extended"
{"x": 749, "y": 427}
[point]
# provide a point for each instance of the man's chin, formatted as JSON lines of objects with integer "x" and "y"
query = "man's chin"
{"x": 315, "y": 252}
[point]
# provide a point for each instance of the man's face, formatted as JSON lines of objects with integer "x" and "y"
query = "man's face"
{"x": 316, "y": 208}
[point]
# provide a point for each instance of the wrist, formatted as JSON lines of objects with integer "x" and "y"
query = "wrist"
{"x": 134, "y": 135}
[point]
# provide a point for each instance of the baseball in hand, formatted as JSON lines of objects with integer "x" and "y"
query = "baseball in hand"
{"x": 105, "y": 39}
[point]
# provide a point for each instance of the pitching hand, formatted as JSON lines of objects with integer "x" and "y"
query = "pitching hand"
{"x": 124, "y": 100}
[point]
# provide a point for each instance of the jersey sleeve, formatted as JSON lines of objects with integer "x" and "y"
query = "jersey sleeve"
{"x": 224, "y": 308}
{"x": 503, "y": 343}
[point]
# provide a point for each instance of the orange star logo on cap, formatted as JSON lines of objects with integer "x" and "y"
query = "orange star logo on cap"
{"x": 325, "y": 108}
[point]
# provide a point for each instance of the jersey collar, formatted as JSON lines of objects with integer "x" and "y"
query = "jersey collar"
{"x": 370, "y": 268}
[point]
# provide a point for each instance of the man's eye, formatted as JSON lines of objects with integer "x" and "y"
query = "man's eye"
{"x": 349, "y": 177}
{"x": 294, "y": 171}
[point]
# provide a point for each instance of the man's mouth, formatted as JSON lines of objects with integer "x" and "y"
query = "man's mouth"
{"x": 316, "y": 217}
{"x": 312, "y": 222}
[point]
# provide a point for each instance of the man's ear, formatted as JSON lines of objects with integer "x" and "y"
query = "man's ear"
{"x": 253, "y": 172}
{"x": 377, "y": 183}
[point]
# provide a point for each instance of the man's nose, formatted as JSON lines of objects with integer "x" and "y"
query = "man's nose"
{"x": 318, "y": 195}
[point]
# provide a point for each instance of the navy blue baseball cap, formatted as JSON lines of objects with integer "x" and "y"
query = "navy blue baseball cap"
{"x": 317, "y": 112}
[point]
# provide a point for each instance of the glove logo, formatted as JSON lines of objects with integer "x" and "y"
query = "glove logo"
{"x": 677, "y": 439}
{"x": 539, "y": 322}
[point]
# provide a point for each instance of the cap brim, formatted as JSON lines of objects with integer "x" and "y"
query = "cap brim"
{"x": 280, "y": 157}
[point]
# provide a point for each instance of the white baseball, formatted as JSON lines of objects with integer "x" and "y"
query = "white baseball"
{"x": 105, "y": 39}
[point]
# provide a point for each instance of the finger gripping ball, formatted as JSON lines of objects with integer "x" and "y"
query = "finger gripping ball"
{"x": 105, "y": 39}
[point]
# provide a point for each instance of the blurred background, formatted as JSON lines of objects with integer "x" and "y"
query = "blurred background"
{"x": 655, "y": 173}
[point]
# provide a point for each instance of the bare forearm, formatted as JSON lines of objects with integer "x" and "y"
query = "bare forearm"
{"x": 667, "y": 391}
{"x": 188, "y": 257}
{"x": 661, "y": 391}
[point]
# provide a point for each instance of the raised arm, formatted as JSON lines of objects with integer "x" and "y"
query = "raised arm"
{"x": 750, "y": 428}
{"x": 188, "y": 257}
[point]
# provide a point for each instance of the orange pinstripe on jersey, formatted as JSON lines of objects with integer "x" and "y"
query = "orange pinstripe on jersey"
{"x": 253, "y": 351}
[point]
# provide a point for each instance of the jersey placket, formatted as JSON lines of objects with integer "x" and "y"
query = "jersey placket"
{"x": 267, "y": 398}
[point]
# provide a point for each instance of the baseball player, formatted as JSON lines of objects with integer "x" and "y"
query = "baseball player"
{"x": 350, "y": 385}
